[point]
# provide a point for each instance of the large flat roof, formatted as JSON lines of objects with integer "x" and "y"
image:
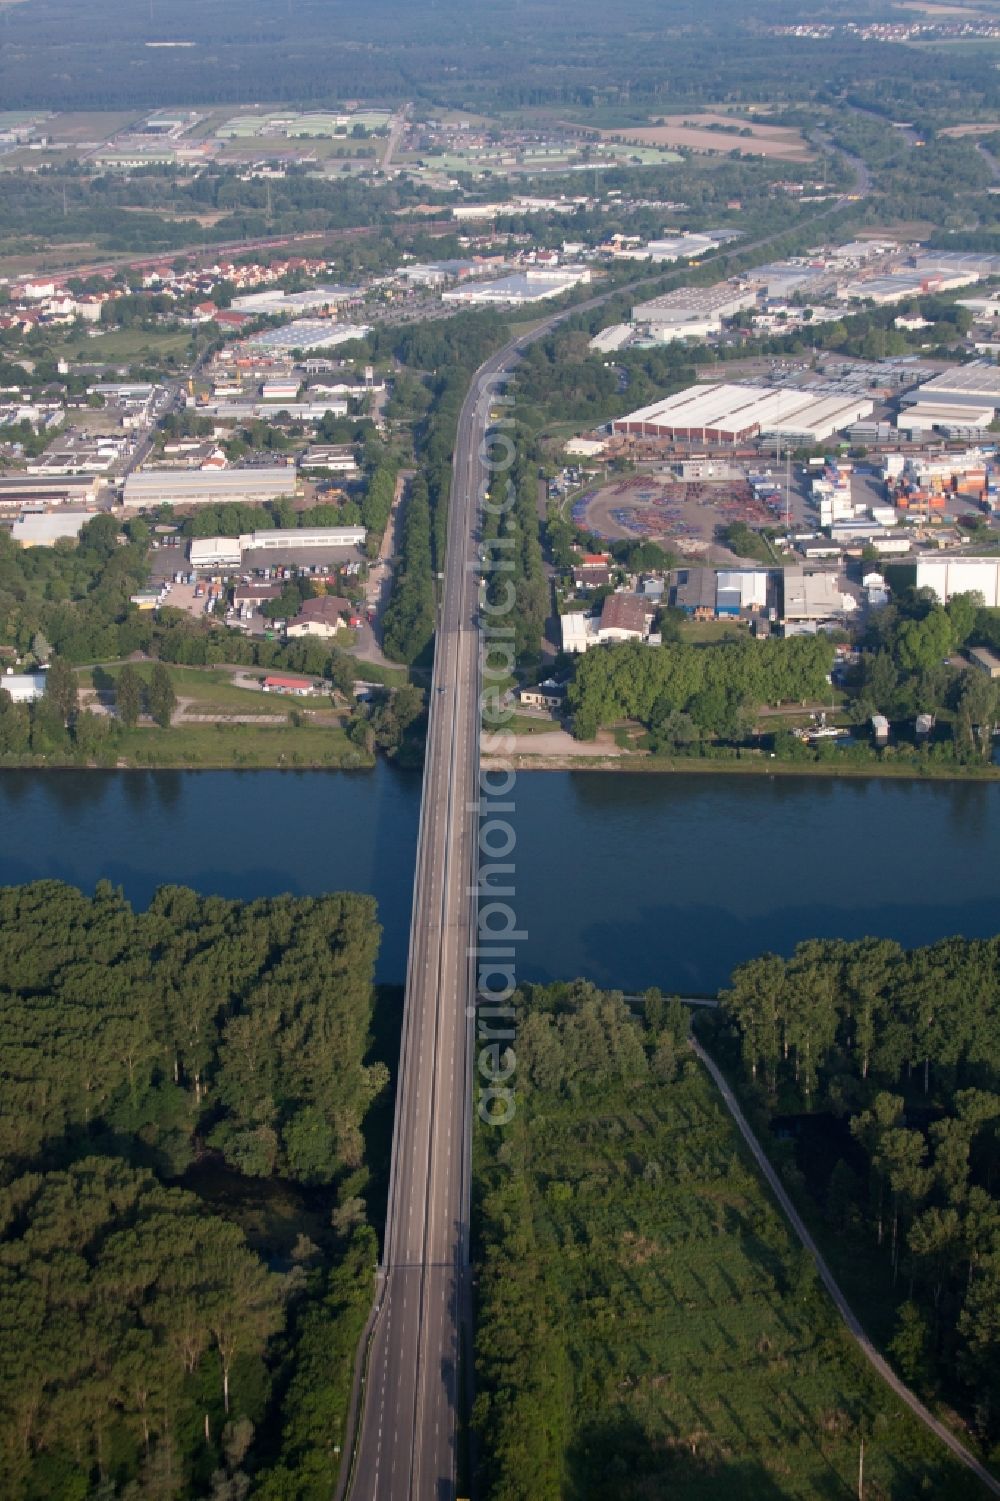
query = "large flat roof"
{"x": 736, "y": 409}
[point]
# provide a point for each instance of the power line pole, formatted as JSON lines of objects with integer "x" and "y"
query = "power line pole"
{"x": 861, "y": 1470}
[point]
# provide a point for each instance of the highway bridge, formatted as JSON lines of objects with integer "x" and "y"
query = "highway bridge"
{"x": 410, "y": 1365}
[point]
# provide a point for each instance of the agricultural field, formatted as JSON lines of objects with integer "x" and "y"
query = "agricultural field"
{"x": 720, "y": 133}
{"x": 647, "y": 1327}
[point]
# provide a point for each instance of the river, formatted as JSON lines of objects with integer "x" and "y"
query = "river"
{"x": 630, "y": 879}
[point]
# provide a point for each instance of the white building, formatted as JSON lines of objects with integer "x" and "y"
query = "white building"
{"x": 533, "y": 285}
{"x": 46, "y": 528}
{"x": 147, "y": 488}
{"x": 306, "y": 334}
{"x": 23, "y": 688}
{"x": 950, "y": 576}
{"x": 215, "y": 552}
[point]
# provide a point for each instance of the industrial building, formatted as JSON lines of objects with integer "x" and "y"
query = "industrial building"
{"x": 46, "y": 528}
{"x": 613, "y": 338}
{"x": 950, "y": 576}
{"x": 312, "y": 300}
{"x": 734, "y": 414}
{"x": 691, "y": 312}
{"x": 314, "y": 536}
{"x": 306, "y": 334}
{"x": 261, "y": 549}
{"x": 296, "y": 411}
{"x": 178, "y": 487}
{"x": 987, "y": 661}
{"x": 533, "y": 285}
{"x": 23, "y": 687}
{"x": 20, "y": 490}
{"x": 623, "y": 617}
{"x": 228, "y": 553}
{"x": 337, "y": 458}
{"x": 813, "y": 597}
{"x": 976, "y": 385}
{"x": 216, "y": 552}
{"x": 671, "y": 248}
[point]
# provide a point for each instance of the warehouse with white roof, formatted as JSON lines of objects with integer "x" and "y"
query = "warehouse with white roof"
{"x": 976, "y": 385}
{"x": 950, "y": 576}
{"x": 734, "y": 414}
{"x": 186, "y": 487}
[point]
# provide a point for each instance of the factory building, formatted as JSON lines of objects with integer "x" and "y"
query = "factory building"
{"x": 216, "y": 552}
{"x": 976, "y": 386}
{"x": 312, "y": 300}
{"x": 734, "y": 414}
{"x": 813, "y": 597}
{"x": 533, "y": 285}
{"x": 264, "y": 546}
{"x": 46, "y": 528}
{"x": 177, "y": 487}
{"x": 23, "y": 687}
{"x": 337, "y": 458}
{"x": 306, "y": 334}
{"x": 693, "y": 306}
{"x": 950, "y": 576}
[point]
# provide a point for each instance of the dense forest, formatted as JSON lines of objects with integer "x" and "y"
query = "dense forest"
{"x": 55, "y": 54}
{"x": 168, "y": 1077}
{"x": 680, "y": 691}
{"x": 893, "y": 1054}
{"x": 646, "y": 1326}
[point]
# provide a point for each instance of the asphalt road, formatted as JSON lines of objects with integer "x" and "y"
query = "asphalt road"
{"x": 408, "y": 1373}
{"x": 407, "y": 1442}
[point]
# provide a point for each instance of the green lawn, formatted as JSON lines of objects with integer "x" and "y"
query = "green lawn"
{"x": 240, "y": 745}
{"x": 211, "y": 690}
{"x": 647, "y": 1326}
{"x": 123, "y": 344}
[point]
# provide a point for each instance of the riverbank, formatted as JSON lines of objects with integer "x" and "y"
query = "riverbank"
{"x": 647, "y": 764}
{"x": 217, "y": 746}
{"x": 529, "y": 753}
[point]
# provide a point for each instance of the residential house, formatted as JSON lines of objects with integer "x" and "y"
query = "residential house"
{"x": 322, "y": 617}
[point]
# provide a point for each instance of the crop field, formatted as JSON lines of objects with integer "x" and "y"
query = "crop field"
{"x": 677, "y": 1340}
{"x": 717, "y": 132}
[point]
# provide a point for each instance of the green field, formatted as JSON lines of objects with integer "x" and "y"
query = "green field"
{"x": 210, "y": 691}
{"x": 239, "y": 745}
{"x": 123, "y": 344}
{"x": 647, "y": 1327}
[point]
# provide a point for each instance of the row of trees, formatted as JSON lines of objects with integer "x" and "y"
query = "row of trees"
{"x": 409, "y": 618}
{"x": 511, "y": 547}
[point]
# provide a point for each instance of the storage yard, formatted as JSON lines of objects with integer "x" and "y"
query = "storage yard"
{"x": 684, "y": 516}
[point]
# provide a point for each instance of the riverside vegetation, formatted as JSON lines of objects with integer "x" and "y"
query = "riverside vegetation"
{"x": 185, "y": 1263}
{"x": 646, "y": 1324}
{"x": 706, "y": 699}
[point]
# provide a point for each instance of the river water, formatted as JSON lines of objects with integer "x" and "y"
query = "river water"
{"x": 629, "y": 879}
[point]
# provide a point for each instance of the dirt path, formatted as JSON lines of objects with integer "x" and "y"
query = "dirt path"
{"x": 857, "y": 1333}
